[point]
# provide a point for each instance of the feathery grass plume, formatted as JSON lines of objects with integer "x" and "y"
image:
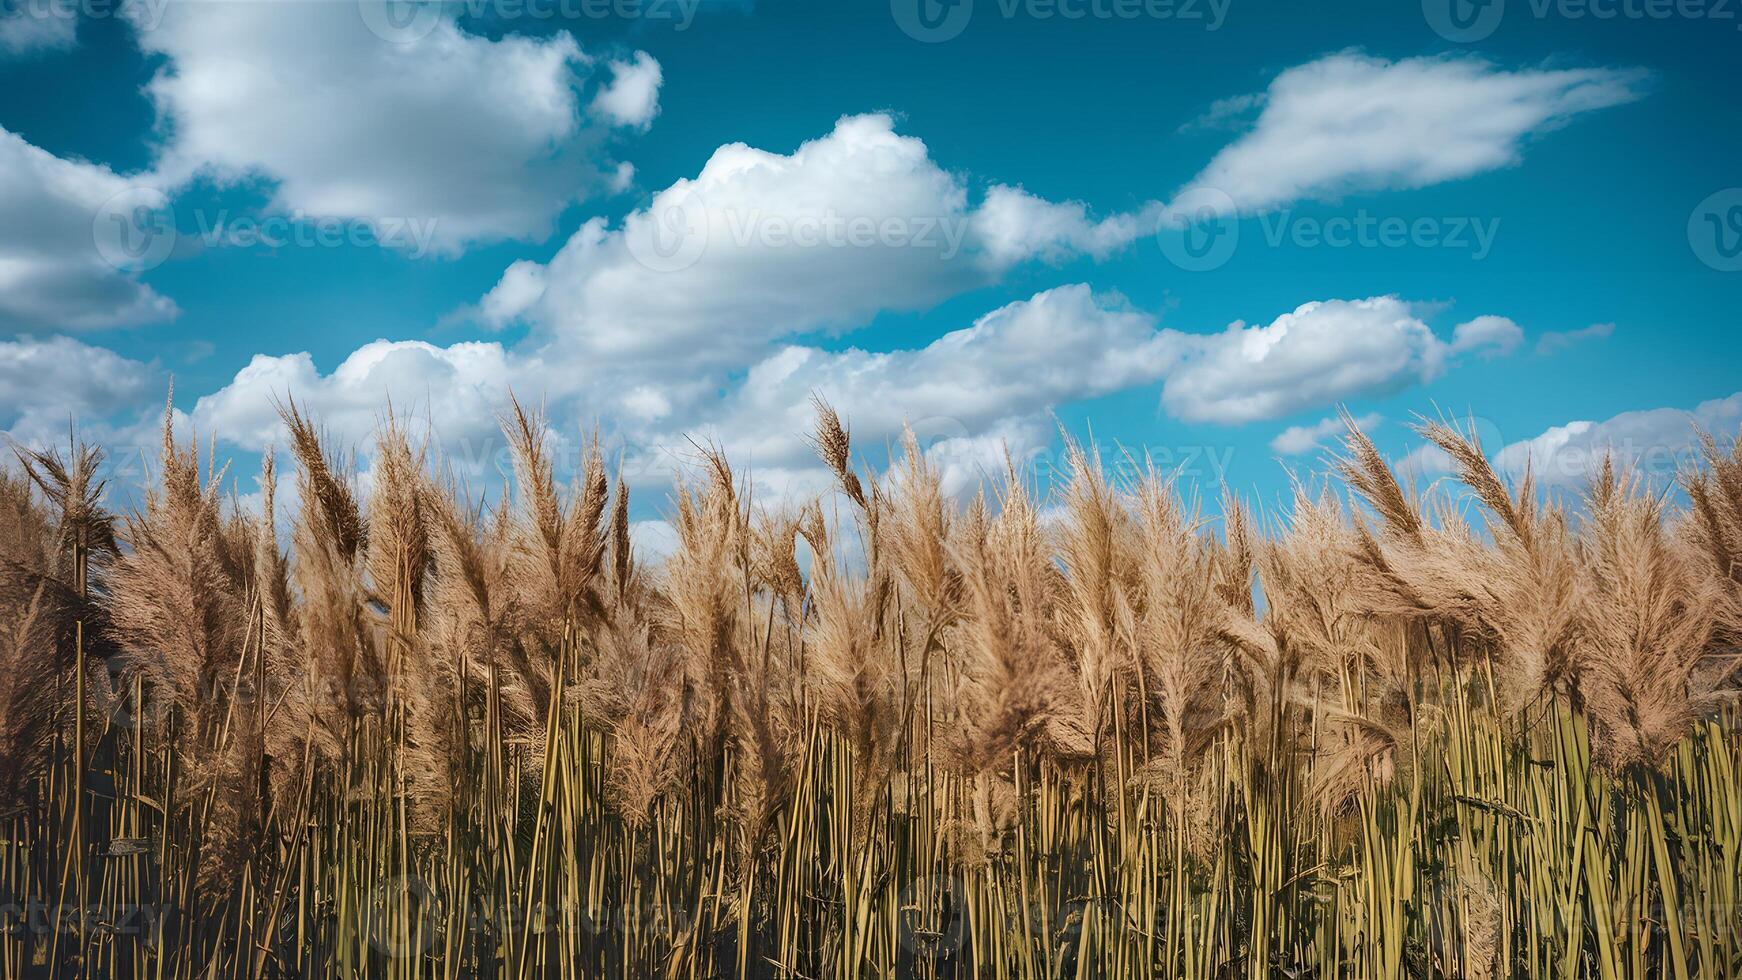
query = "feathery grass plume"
{"x": 285, "y": 664}
{"x": 1013, "y": 665}
{"x": 856, "y": 681}
{"x": 348, "y": 675}
{"x": 27, "y": 532}
{"x": 328, "y": 502}
{"x": 765, "y": 726}
{"x": 774, "y": 559}
{"x": 472, "y": 620}
{"x": 834, "y": 445}
{"x": 1369, "y": 475}
{"x": 630, "y": 689}
{"x": 623, "y": 572}
{"x": 1098, "y": 550}
{"x": 1517, "y": 512}
{"x": 1647, "y": 622}
{"x": 180, "y": 613}
{"x": 1510, "y": 602}
{"x": 1179, "y": 647}
{"x": 420, "y": 688}
{"x": 75, "y": 493}
{"x": 70, "y": 541}
{"x": 1713, "y": 529}
{"x": 1313, "y": 587}
{"x": 1716, "y": 493}
{"x": 707, "y": 586}
{"x": 36, "y": 613}
{"x": 1311, "y": 625}
{"x": 1234, "y": 558}
{"x": 920, "y": 527}
{"x": 398, "y": 546}
{"x": 560, "y": 552}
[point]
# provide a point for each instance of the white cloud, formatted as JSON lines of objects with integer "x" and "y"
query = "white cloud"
{"x": 1300, "y": 439}
{"x": 1556, "y": 341}
{"x": 1491, "y": 336}
{"x": 1322, "y": 353}
{"x": 1654, "y": 442}
{"x": 971, "y": 394}
{"x": 485, "y": 137}
{"x": 652, "y": 541}
{"x": 456, "y": 391}
{"x": 52, "y": 276}
{"x": 1017, "y": 361}
{"x": 758, "y": 246}
{"x": 519, "y": 288}
{"x": 1015, "y": 226}
{"x": 632, "y": 97}
{"x": 42, "y": 25}
{"x": 1349, "y": 123}
{"x": 50, "y": 383}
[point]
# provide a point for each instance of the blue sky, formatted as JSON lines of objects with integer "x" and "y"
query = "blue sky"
{"x": 678, "y": 219}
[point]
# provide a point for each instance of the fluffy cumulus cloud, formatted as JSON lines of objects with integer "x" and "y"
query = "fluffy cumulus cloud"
{"x": 1489, "y": 336}
{"x": 489, "y": 139}
{"x": 975, "y": 392}
{"x": 455, "y": 391}
{"x": 1014, "y": 226}
{"x": 971, "y": 394}
{"x": 45, "y": 386}
{"x": 1350, "y": 122}
{"x": 999, "y": 377}
{"x": 632, "y": 97}
{"x": 1321, "y": 353}
{"x": 1656, "y": 443}
{"x": 758, "y": 245}
{"x": 52, "y": 274}
{"x": 1300, "y": 439}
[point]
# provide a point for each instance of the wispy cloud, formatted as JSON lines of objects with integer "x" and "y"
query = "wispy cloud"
{"x": 1558, "y": 340}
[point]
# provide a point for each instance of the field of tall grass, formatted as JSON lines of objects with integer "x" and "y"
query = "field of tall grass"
{"x": 1081, "y": 733}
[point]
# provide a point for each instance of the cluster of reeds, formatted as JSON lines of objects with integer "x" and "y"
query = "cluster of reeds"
{"x": 1085, "y": 733}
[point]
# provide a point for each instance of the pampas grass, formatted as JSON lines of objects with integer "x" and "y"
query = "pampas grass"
{"x": 1075, "y": 731}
